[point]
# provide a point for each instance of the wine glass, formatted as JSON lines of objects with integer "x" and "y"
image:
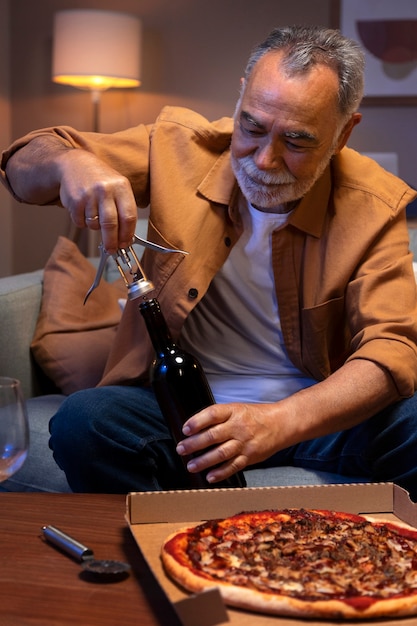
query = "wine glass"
{"x": 14, "y": 427}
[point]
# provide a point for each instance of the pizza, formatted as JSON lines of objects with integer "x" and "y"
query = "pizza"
{"x": 298, "y": 562}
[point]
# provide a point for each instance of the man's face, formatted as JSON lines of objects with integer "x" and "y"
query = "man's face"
{"x": 286, "y": 131}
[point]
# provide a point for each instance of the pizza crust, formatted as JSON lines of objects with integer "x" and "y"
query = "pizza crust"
{"x": 182, "y": 571}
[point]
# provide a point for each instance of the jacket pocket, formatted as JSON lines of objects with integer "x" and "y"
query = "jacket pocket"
{"x": 325, "y": 337}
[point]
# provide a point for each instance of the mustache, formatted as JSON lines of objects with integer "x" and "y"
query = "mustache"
{"x": 262, "y": 177}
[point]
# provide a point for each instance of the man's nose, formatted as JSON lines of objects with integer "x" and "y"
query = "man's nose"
{"x": 268, "y": 157}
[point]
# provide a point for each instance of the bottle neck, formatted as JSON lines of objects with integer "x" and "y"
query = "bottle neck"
{"x": 157, "y": 326}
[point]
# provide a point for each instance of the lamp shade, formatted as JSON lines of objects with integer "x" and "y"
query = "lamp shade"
{"x": 96, "y": 49}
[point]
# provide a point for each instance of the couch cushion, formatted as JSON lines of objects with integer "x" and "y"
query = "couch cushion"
{"x": 72, "y": 340}
{"x": 290, "y": 476}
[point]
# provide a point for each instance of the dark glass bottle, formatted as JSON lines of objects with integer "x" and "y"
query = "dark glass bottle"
{"x": 180, "y": 386}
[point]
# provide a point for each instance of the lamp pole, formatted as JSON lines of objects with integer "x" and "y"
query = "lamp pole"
{"x": 95, "y": 98}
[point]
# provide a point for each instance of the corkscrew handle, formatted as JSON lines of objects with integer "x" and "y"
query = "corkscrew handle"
{"x": 129, "y": 267}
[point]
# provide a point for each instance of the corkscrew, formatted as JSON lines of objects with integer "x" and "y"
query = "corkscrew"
{"x": 129, "y": 267}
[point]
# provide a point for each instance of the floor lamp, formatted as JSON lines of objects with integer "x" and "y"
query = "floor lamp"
{"x": 96, "y": 50}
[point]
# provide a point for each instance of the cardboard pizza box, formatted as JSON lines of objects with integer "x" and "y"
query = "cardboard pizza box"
{"x": 152, "y": 516}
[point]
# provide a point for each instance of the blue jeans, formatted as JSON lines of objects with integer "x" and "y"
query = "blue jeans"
{"x": 114, "y": 440}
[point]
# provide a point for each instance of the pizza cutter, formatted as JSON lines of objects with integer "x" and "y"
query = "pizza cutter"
{"x": 103, "y": 569}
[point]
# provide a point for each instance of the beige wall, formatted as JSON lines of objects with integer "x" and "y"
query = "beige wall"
{"x": 193, "y": 55}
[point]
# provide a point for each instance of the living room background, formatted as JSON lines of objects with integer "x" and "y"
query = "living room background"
{"x": 194, "y": 52}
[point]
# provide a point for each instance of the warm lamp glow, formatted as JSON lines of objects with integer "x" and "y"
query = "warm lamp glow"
{"x": 96, "y": 50}
{"x": 95, "y": 82}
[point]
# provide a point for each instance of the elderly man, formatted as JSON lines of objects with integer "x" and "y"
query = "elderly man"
{"x": 298, "y": 294}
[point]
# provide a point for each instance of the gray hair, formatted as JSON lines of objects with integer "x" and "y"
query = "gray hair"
{"x": 306, "y": 46}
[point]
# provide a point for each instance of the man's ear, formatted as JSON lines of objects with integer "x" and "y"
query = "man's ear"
{"x": 347, "y": 129}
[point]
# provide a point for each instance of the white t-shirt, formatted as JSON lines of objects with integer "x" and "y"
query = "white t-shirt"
{"x": 235, "y": 330}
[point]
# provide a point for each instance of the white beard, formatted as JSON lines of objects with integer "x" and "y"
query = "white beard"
{"x": 268, "y": 189}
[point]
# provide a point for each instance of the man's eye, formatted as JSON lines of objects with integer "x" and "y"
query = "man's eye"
{"x": 295, "y": 146}
{"x": 253, "y": 131}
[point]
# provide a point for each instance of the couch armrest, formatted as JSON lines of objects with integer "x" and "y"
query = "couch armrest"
{"x": 20, "y": 300}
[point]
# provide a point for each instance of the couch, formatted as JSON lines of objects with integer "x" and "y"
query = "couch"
{"x": 22, "y": 298}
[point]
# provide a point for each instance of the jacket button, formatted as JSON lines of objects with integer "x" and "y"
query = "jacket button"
{"x": 192, "y": 293}
{"x": 227, "y": 241}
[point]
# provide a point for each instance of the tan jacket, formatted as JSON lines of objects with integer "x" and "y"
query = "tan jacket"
{"x": 344, "y": 277}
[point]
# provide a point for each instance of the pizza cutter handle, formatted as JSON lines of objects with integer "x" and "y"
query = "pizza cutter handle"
{"x": 66, "y": 543}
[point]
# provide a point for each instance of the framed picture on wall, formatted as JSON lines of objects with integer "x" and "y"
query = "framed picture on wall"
{"x": 387, "y": 31}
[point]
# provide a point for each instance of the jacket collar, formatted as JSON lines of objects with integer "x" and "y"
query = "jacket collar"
{"x": 218, "y": 185}
{"x": 310, "y": 214}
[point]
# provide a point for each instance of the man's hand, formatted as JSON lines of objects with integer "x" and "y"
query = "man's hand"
{"x": 98, "y": 197}
{"x": 245, "y": 434}
{"x": 238, "y": 435}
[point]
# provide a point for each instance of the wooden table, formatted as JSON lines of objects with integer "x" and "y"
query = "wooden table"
{"x": 41, "y": 586}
